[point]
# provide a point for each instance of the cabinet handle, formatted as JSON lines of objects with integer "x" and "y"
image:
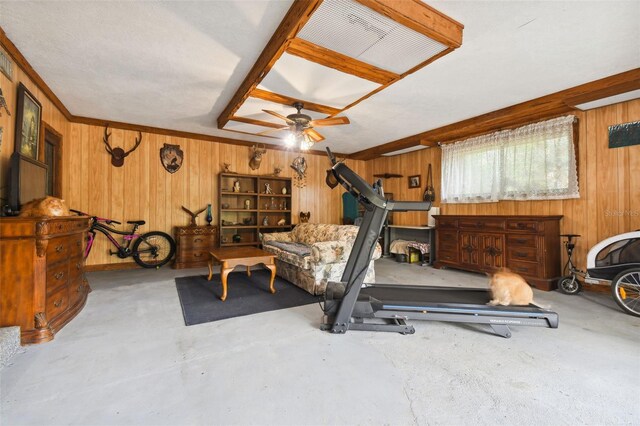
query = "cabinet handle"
{"x": 197, "y": 240}
{"x": 522, "y": 225}
{"x": 78, "y": 266}
{"x": 79, "y": 288}
{"x": 521, "y": 241}
{"x": 59, "y": 248}
{"x": 57, "y": 303}
{"x": 59, "y": 275}
{"x": 521, "y": 254}
{"x": 522, "y": 269}
{"x": 197, "y": 255}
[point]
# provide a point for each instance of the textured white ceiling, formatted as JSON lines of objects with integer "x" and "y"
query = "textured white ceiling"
{"x": 176, "y": 65}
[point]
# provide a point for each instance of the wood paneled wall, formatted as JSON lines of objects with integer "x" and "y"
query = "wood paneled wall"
{"x": 142, "y": 189}
{"x": 609, "y": 181}
{"x": 50, "y": 114}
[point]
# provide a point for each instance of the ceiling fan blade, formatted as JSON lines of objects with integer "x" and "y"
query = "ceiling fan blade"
{"x": 333, "y": 121}
{"x": 264, "y": 132}
{"x": 279, "y": 116}
{"x": 317, "y": 137}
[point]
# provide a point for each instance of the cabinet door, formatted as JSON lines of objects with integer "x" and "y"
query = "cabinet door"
{"x": 492, "y": 251}
{"x": 469, "y": 245}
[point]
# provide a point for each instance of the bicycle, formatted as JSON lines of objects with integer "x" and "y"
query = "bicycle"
{"x": 614, "y": 261}
{"x": 150, "y": 250}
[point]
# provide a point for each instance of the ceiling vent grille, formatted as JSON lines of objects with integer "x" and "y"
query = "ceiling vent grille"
{"x": 352, "y": 29}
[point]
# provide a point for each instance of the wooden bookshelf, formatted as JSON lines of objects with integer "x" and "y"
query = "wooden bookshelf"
{"x": 242, "y": 212}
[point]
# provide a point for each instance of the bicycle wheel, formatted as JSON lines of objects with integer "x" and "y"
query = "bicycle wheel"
{"x": 569, "y": 285}
{"x": 625, "y": 288}
{"x": 153, "y": 249}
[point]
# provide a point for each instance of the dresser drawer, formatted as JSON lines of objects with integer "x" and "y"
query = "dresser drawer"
{"x": 76, "y": 268}
{"x": 57, "y": 276}
{"x": 193, "y": 256}
{"x": 58, "y": 249}
{"x": 529, "y": 254}
{"x": 196, "y": 241}
{"x": 521, "y": 241}
{"x": 57, "y": 302}
{"x": 524, "y": 225}
{"x": 447, "y": 222}
{"x": 523, "y": 268}
{"x": 447, "y": 255}
{"x": 481, "y": 223}
{"x": 77, "y": 289}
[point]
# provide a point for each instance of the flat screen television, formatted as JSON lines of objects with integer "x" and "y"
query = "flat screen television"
{"x": 27, "y": 181}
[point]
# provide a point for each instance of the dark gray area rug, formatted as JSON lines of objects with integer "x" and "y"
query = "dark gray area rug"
{"x": 200, "y": 298}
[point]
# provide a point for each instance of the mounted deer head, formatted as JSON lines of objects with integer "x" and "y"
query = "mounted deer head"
{"x": 256, "y": 157}
{"x": 118, "y": 154}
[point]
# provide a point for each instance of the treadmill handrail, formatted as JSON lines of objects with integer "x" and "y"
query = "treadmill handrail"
{"x": 360, "y": 189}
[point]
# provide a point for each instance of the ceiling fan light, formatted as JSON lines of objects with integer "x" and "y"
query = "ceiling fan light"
{"x": 305, "y": 142}
{"x": 290, "y": 140}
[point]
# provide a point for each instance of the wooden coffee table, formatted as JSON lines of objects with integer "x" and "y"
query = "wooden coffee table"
{"x": 245, "y": 256}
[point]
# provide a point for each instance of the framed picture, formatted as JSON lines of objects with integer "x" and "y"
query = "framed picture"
{"x": 28, "y": 114}
{"x": 414, "y": 181}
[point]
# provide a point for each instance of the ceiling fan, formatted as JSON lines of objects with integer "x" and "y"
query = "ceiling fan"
{"x": 302, "y": 126}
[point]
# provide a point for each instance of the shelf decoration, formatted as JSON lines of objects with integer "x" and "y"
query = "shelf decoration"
{"x": 209, "y": 217}
{"x": 194, "y": 215}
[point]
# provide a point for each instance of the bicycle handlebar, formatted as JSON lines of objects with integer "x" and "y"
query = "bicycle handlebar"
{"x": 96, "y": 218}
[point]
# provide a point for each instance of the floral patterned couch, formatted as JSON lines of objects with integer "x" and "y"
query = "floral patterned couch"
{"x": 313, "y": 254}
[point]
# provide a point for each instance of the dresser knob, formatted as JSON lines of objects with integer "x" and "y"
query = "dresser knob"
{"x": 59, "y": 248}
{"x": 57, "y": 303}
{"x": 59, "y": 275}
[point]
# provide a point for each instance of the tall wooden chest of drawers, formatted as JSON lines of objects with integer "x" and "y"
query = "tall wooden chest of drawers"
{"x": 193, "y": 244}
{"x": 42, "y": 267}
{"x": 528, "y": 245}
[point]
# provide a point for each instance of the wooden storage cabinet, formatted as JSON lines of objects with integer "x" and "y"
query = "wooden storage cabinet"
{"x": 249, "y": 211}
{"x": 528, "y": 245}
{"x": 42, "y": 266}
{"x": 193, "y": 244}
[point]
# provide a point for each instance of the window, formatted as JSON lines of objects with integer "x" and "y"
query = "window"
{"x": 534, "y": 162}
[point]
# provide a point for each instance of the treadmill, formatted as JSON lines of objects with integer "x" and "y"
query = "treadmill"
{"x": 350, "y": 305}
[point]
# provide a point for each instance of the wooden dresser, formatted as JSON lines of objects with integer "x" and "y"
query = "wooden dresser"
{"x": 193, "y": 244}
{"x": 528, "y": 245}
{"x": 42, "y": 267}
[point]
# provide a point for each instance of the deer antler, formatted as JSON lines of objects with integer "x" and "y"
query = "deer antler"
{"x": 138, "y": 140}
{"x": 105, "y": 139}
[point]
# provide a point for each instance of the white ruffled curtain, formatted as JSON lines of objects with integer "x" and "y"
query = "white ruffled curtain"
{"x": 534, "y": 162}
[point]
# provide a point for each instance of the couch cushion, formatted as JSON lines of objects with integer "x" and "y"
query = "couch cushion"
{"x": 302, "y": 262}
{"x": 298, "y": 249}
{"x": 309, "y": 233}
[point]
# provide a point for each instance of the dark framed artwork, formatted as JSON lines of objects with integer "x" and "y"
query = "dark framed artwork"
{"x": 626, "y": 134}
{"x": 28, "y": 116}
{"x": 414, "y": 181}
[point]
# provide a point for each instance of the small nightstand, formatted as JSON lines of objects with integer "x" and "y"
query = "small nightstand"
{"x": 193, "y": 244}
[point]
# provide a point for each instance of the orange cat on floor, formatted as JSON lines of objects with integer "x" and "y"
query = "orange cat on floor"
{"x": 509, "y": 288}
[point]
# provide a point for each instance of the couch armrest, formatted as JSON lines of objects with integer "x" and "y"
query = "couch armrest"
{"x": 276, "y": 236}
{"x": 324, "y": 252}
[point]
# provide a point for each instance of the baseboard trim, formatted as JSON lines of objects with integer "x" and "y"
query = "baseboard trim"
{"x": 111, "y": 267}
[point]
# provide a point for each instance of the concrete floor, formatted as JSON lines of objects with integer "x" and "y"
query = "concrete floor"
{"x": 128, "y": 358}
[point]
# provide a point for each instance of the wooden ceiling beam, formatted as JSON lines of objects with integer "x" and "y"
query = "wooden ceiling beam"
{"x": 420, "y": 17}
{"x": 253, "y": 121}
{"x": 346, "y": 64}
{"x": 296, "y": 17}
{"x": 520, "y": 114}
{"x": 265, "y": 95}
